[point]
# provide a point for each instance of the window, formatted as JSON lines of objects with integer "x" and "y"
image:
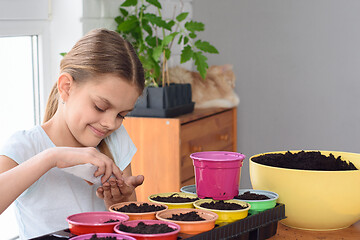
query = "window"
{"x": 19, "y": 98}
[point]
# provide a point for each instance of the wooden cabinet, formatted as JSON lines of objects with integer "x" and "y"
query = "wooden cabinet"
{"x": 164, "y": 146}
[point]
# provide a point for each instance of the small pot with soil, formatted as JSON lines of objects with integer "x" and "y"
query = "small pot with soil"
{"x": 260, "y": 200}
{"x": 94, "y": 222}
{"x": 149, "y": 229}
{"x": 103, "y": 236}
{"x": 191, "y": 221}
{"x": 138, "y": 210}
{"x": 227, "y": 210}
{"x": 313, "y": 185}
{"x": 174, "y": 199}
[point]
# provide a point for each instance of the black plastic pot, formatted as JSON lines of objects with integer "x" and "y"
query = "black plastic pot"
{"x": 168, "y": 101}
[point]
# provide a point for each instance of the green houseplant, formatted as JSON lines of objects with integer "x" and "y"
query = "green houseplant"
{"x": 153, "y": 37}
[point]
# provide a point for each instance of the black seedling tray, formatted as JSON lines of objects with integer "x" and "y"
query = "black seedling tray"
{"x": 259, "y": 226}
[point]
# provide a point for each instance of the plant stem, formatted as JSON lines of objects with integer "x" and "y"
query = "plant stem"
{"x": 177, "y": 25}
{"x": 164, "y": 57}
{"x": 167, "y": 72}
{"x": 141, "y": 41}
{"x": 163, "y": 71}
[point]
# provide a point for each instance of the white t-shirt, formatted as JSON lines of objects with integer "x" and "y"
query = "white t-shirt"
{"x": 45, "y": 205}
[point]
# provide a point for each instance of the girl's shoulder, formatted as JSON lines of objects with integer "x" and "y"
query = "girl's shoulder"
{"x": 34, "y": 135}
{"x": 24, "y": 144}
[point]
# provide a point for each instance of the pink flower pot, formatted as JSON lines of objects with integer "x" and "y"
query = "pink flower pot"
{"x": 217, "y": 174}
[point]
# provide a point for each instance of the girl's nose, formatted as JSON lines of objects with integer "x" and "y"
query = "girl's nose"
{"x": 110, "y": 122}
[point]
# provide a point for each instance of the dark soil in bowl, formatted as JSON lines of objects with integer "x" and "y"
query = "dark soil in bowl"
{"x": 251, "y": 196}
{"x": 221, "y": 205}
{"x": 310, "y": 160}
{"x": 190, "y": 216}
{"x": 112, "y": 220}
{"x": 95, "y": 237}
{"x": 174, "y": 198}
{"x": 144, "y": 207}
{"x": 143, "y": 228}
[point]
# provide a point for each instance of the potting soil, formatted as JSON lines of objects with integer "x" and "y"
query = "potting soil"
{"x": 174, "y": 198}
{"x": 95, "y": 237}
{"x": 144, "y": 207}
{"x": 143, "y": 228}
{"x": 251, "y": 196}
{"x": 112, "y": 220}
{"x": 221, "y": 205}
{"x": 309, "y": 160}
{"x": 190, "y": 216}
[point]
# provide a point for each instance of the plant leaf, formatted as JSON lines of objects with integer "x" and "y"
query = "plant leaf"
{"x": 167, "y": 53}
{"x": 192, "y": 35}
{"x": 205, "y": 46}
{"x": 124, "y": 12}
{"x": 186, "y": 40}
{"x": 171, "y": 23}
{"x": 63, "y": 54}
{"x": 182, "y": 16}
{"x": 119, "y": 19}
{"x": 169, "y": 38}
{"x": 155, "y": 3}
{"x": 157, "y": 53}
{"x": 201, "y": 63}
{"x": 147, "y": 28}
{"x": 193, "y": 26}
{"x": 146, "y": 62}
{"x": 186, "y": 54}
{"x": 180, "y": 38}
{"x": 151, "y": 41}
{"x": 129, "y": 3}
{"x": 156, "y": 20}
{"x": 127, "y": 25}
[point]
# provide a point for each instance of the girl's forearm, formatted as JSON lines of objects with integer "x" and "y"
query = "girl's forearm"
{"x": 16, "y": 180}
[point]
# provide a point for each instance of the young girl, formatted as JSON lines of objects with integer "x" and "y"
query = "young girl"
{"x": 99, "y": 83}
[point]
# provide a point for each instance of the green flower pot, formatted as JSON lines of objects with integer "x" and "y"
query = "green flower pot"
{"x": 260, "y": 205}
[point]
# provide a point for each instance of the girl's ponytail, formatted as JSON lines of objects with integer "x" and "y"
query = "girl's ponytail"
{"x": 52, "y": 104}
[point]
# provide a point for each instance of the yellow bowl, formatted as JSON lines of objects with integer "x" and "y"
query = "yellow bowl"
{"x": 225, "y": 216}
{"x": 190, "y": 227}
{"x": 314, "y": 200}
{"x": 175, "y": 205}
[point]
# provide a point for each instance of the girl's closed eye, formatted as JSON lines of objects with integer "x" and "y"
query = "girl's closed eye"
{"x": 121, "y": 116}
{"x": 99, "y": 109}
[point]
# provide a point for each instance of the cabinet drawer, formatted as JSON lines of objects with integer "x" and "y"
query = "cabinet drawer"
{"x": 214, "y": 133}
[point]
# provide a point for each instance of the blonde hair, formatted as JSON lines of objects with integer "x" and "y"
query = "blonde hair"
{"x": 101, "y": 51}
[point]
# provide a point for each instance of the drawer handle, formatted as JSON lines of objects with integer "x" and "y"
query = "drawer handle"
{"x": 224, "y": 137}
{"x": 197, "y": 148}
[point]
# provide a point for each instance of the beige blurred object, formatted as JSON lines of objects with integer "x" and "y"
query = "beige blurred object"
{"x": 216, "y": 90}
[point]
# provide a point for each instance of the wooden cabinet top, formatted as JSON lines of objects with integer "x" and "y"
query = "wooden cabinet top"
{"x": 196, "y": 114}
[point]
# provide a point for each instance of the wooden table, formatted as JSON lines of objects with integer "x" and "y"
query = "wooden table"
{"x": 284, "y": 232}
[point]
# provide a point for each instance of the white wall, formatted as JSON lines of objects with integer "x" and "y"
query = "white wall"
{"x": 297, "y": 67}
{"x": 70, "y": 20}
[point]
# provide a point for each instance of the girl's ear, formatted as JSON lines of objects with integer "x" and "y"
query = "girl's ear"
{"x": 64, "y": 84}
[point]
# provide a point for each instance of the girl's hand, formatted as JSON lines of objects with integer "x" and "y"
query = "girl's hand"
{"x": 119, "y": 190}
{"x": 72, "y": 156}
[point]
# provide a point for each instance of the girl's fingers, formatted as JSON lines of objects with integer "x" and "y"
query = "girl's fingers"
{"x": 100, "y": 192}
{"x": 129, "y": 185}
{"x": 101, "y": 167}
{"x": 107, "y": 190}
{"x": 115, "y": 191}
{"x": 120, "y": 182}
{"x": 117, "y": 172}
{"x": 135, "y": 180}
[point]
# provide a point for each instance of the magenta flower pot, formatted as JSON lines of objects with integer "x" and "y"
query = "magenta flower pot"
{"x": 217, "y": 174}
